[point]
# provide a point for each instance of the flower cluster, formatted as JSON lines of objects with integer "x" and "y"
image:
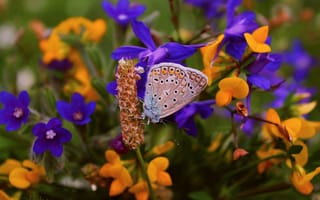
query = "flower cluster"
{"x": 156, "y": 107}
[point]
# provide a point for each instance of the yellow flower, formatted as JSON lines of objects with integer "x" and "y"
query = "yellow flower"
{"x": 163, "y": 148}
{"x": 256, "y": 40}
{"x": 266, "y": 151}
{"x": 156, "y": 171}
{"x": 8, "y": 166}
{"x": 215, "y": 143}
{"x": 231, "y": 87}
{"x": 290, "y": 129}
{"x": 140, "y": 190}
{"x": 26, "y": 175}
{"x": 114, "y": 169}
{"x": 302, "y": 157}
{"x": 54, "y": 48}
{"x": 210, "y": 51}
{"x": 302, "y": 181}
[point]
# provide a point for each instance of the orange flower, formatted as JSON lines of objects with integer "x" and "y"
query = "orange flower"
{"x": 290, "y": 129}
{"x": 26, "y": 174}
{"x": 140, "y": 190}
{"x": 114, "y": 169}
{"x": 238, "y": 153}
{"x": 156, "y": 171}
{"x": 302, "y": 181}
{"x": 256, "y": 40}
{"x": 210, "y": 51}
{"x": 163, "y": 148}
{"x": 265, "y": 152}
{"x": 54, "y": 48}
{"x": 8, "y": 166}
{"x": 231, "y": 87}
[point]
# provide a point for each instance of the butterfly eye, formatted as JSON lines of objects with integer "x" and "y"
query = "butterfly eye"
{"x": 165, "y": 105}
{"x": 174, "y": 100}
{"x": 156, "y": 80}
{"x": 176, "y": 91}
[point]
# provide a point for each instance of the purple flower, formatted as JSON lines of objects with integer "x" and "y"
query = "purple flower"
{"x": 212, "y": 9}
{"x": 61, "y": 65}
{"x": 184, "y": 117}
{"x": 118, "y": 145}
{"x": 300, "y": 60}
{"x": 261, "y": 71}
{"x": 77, "y": 111}
{"x": 236, "y": 27}
{"x": 50, "y": 137}
{"x": 123, "y": 12}
{"x": 14, "y": 111}
{"x": 151, "y": 54}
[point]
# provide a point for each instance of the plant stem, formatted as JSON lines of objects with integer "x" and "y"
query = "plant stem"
{"x": 88, "y": 62}
{"x": 144, "y": 173}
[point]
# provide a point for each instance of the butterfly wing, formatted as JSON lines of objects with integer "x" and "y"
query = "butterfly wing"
{"x": 170, "y": 87}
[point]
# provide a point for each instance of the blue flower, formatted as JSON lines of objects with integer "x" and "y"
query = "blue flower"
{"x": 50, "y": 137}
{"x": 118, "y": 145}
{"x": 123, "y": 12}
{"x": 15, "y": 110}
{"x": 151, "y": 54}
{"x": 300, "y": 60}
{"x": 61, "y": 65}
{"x": 212, "y": 9}
{"x": 236, "y": 27}
{"x": 261, "y": 71}
{"x": 184, "y": 117}
{"x": 77, "y": 111}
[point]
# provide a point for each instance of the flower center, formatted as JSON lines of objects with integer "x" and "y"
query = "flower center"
{"x": 77, "y": 115}
{"x": 50, "y": 134}
{"x": 17, "y": 113}
{"x": 122, "y": 17}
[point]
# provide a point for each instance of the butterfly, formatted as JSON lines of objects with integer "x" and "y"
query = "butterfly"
{"x": 169, "y": 87}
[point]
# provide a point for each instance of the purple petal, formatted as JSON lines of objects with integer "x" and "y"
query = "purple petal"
{"x": 109, "y": 9}
{"x": 137, "y": 10}
{"x": 65, "y": 110}
{"x": 128, "y": 52}
{"x": 63, "y": 134}
{"x": 77, "y": 99}
{"x": 236, "y": 49}
{"x": 157, "y": 56}
{"x": 259, "y": 81}
{"x": 40, "y": 146}
{"x": 7, "y": 99}
{"x": 54, "y": 122}
{"x": 178, "y": 52}
{"x": 13, "y": 125}
{"x": 39, "y": 130}
{"x": 123, "y": 5}
{"x": 231, "y": 6}
{"x": 112, "y": 88}
{"x": 143, "y": 33}
{"x": 56, "y": 149}
{"x": 24, "y": 98}
{"x": 90, "y": 107}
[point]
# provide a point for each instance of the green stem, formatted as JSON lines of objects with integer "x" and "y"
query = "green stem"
{"x": 88, "y": 62}
{"x": 144, "y": 173}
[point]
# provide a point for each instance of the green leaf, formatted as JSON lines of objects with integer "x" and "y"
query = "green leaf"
{"x": 200, "y": 195}
{"x": 295, "y": 149}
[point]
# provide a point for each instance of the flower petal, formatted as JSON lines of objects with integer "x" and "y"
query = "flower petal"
{"x": 143, "y": 33}
{"x": 129, "y": 52}
{"x": 18, "y": 178}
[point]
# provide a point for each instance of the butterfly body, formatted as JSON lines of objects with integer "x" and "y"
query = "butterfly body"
{"x": 170, "y": 87}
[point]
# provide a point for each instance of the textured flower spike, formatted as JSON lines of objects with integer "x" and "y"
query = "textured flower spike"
{"x": 114, "y": 169}
{"x": 231, "y": 87}
{"x": 302, "y": 181}
{"x": 132, "y": 127}
{"x": 256, "y": 40}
